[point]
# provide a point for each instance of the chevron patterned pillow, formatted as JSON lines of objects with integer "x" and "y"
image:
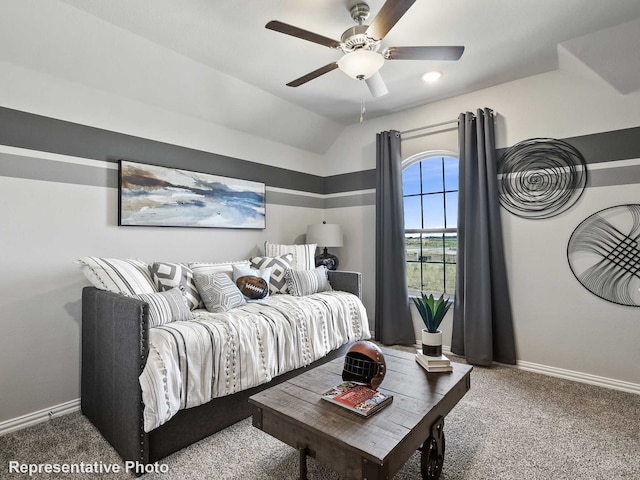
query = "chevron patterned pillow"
{"x": 218, "y": 292}
{"x": 175, "y": 275}
{"x": 277, "y": 282}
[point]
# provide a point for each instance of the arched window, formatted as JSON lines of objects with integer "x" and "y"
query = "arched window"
{"x": 430, "y": 191}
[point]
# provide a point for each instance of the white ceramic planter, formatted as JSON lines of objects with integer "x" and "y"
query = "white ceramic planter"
{"x": 432, "y": 343}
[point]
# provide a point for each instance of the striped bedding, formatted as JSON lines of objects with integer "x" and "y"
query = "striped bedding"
{"x": 217, "y": 354}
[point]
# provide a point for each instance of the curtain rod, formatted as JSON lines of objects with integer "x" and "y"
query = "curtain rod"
{"x": 437, "y": 124}
{"x": 429, "y": 126}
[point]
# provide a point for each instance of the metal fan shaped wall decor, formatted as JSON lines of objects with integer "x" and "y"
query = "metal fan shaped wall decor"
{"x": 540, "y": 178}
{"x": 604, "y": 254}
{"x": 360, "y": 45}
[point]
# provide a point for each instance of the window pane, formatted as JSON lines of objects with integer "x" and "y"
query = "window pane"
{"x": 413, "y": 275}
{"x": 433, "y": 277}
{"x": 412, "y": 212}
{"x": 452, "y": 209}
{"x": 411, "y": 179}
{"x": 432, "y": 248}
{"x": 412, "y": 247}
{"x": 432, "y": 175}
{"x": 450, "y": 173}
{"x": 433, "y": 211}
{"x": 450, "y": 283}
{"x": 450, "y": 247}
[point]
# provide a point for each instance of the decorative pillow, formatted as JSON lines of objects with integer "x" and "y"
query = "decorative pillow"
{"x": 241, "y": 271}
{"x": 306, "y": 282}
{"x": 303, "y": 255}
{"x": 203, "y": 268}
{"x": 128, "y": 277}
{"x": 175, "y": 275}
{"x": 165, "y": 307}
{"x": 252, "y": 287}
{"x": 218, "y": 292}
{"x": 277, "y": 282}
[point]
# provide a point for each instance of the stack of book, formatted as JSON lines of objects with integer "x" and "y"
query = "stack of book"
{"x": 433, "y": 364}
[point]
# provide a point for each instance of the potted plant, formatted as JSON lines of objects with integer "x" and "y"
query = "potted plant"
{"x": 432, "y": 312}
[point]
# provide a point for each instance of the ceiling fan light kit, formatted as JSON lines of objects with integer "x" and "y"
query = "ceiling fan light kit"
{"x": 361, "y": 64}
{"x": 360, "y": 44}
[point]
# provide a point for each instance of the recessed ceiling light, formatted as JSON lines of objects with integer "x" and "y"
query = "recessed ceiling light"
{"x": 431, "y": 77}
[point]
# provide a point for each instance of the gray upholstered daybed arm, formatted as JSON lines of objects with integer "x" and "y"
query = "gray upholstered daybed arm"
{"x": 346, "y": 281}
{"x": 114, "y": 352}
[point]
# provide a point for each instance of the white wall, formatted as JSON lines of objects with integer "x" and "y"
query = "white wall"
{"x": 558, "y": 323}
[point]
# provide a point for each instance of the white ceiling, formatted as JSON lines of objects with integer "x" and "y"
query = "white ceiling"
{"x": 504, "y": 39}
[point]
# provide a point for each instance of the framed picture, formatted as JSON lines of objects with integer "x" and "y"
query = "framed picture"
{"x": 168, "y": 197}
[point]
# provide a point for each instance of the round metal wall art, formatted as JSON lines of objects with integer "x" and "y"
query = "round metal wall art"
{"x": 540, "y": 178}
{"x": 604, "y": 254}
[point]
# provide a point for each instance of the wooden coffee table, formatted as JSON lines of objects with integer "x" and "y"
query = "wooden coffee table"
{"x": 365, "y": 448}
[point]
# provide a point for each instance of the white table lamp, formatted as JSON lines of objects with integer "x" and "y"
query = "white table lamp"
{"x": 325, "y": 235}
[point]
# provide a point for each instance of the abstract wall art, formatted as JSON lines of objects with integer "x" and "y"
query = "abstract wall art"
{"x": 604, "y": 254}
{"x": 540, "y": 178}
{"x": 168, "y": 197}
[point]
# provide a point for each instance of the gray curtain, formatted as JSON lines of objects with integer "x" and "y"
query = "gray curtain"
{"x": 393, "y": 323}
{"x": 482, "y": 323}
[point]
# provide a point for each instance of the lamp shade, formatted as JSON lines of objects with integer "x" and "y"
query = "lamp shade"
{"x": 325, "y": 234}
{"x": 361, "y": 63}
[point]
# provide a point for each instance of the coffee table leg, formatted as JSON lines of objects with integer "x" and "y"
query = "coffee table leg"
{"x": 432, "y": 456}
{"x": 303, "y": 463}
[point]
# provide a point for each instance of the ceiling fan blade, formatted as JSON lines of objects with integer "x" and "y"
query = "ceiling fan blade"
{"x": 312, "y": 75}
{"x": 376, "y": 85}
{"x": 423, "y": 53}
{"x": 387, "y": 17}
{"x": 303, "y": 34}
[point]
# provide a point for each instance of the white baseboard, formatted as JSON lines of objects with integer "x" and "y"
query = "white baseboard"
{"x": 40, "y": 416}
{"x": 570, "y": 375}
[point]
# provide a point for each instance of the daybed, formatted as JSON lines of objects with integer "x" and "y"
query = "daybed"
{"x": 115, "y": 349}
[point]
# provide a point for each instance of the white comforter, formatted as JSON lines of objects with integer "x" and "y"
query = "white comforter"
{"x": 218, "y": 354}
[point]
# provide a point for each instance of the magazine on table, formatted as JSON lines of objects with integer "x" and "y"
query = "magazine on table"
{"x": 359, "y": 398}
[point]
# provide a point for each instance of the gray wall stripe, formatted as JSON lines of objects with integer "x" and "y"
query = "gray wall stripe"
{"x": 350, "y": 182}
{"x": 39, "y": 169}
{"x": 605, "y": 177}
{"x": 357, "y": 200}
{"x": 281, "y": 198}
{"x": 604, "y": 146}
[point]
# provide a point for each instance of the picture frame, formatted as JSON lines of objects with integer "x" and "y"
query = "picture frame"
{"x": 156, "y": 196}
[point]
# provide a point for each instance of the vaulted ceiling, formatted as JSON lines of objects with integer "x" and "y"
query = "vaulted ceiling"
{"x": 504, "y": 40}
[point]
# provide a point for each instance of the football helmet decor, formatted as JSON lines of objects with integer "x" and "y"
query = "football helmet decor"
{"x": 364, "y": 363}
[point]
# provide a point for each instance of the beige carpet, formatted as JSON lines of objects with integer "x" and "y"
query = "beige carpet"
{"x": 511, "y": 425}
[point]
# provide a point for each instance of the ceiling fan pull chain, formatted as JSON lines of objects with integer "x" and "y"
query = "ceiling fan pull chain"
{"x": 363, "y": 110}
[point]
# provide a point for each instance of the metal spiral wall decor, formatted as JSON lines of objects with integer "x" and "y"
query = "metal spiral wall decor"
{"x": 604, "y": 254}
{"x": 540, "y": 178}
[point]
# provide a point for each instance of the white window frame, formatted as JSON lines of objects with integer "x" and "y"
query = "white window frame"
{"x": 406, "y": 163}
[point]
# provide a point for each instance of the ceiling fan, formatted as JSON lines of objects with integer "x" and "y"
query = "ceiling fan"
{"x": 360, "y": 45}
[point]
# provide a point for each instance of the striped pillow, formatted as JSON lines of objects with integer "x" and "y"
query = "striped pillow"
{"x": 307, "y": 282}
{"x": 171, "y": 275}
{"x": 128, "y": 277}
{"x": 303, "y": 255}
{"x": 165, "y": 307}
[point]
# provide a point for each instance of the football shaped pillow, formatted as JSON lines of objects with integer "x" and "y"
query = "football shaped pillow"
{"x": 252, "y": 287}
